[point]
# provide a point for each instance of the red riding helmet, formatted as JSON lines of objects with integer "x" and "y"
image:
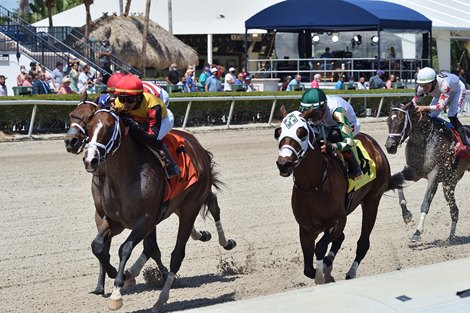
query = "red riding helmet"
{"x": 113, "y": 80}
{"x": 129, "y": 85}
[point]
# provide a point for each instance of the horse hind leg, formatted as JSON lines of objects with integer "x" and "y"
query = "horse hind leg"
{"x": 214, "y": 209}
{"x": 369, "y": 215}
{"x": 449, "y": 194}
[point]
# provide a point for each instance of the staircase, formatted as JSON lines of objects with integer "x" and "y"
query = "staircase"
{"x": 48, "y": 45}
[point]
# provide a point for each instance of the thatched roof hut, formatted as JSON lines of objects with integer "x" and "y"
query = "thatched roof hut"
{"x": 125, "y": 36}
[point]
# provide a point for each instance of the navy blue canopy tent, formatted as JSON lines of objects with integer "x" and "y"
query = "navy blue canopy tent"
{"x": 306, "y": 16}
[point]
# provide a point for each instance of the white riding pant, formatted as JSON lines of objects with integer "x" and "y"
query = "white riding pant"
{"x": 167, "y": 124}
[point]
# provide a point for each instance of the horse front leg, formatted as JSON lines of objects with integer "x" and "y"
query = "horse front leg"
{"x": 184, "y": 231}
{"x": 449, "y": 194}
{"x": 329, "y": 259}
{"x": 320, "y": 251}
{"x": 138, "y": 233}
{"x": 429, "y": 195}
{"x": 307, "y": 242}
{"x": 151, "y": 250}
{"x": 100, "y": 248}
{"x": 405, "y": 174}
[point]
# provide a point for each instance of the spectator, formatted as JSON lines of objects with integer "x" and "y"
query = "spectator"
{"x": 213, "y": 83}
{"x": 327, "y": 54}
{"x": 41, "y": 86}
{"x": 3, "y": 86}
{"x": 65, "y": 88}
{"x": 84, "y": 80}
{"x": 340, "y": 82}
{"x": 21, "y": 76}
{"x": 57, "y": 75}
{"x": 240, "y": 79}
{"x": 294, "y": 82}
{"x": 362, "y": 84}
{"x": 392, "y": 56}
{"x": 415, "y": 76}
{"x": 190, "y": 85}
{"x": 173, "y": 77}
{"x": 229, "y": 79}
{"x": 104, "y": 55}
{"x": 462, "y": 77}
{"x": 391, "y": 79}
{"x": 74, "y": 76}
{"x": 28, "y": 82}
{"x": 201, "y": 83}
{"x": 249, "y": 84}
{"x": 34, "y": 70}
{"x": 315, "y": 82}
{"x": 285, "y": 83}
{"x": 376, "y": 81}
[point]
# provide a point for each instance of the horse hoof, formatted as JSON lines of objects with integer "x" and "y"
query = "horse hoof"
{"x": 231, "y": 244}
{"x": 131, "y": 282}
{"x": 408, "y": 217}
{"x": 348, "y": 277}
{"x": 157, "y": 308}
{"x": 205, "y": 236}
{"x": 114, "y": 304}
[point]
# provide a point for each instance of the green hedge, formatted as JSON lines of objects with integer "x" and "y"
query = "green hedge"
{"x": 54, "y": 118}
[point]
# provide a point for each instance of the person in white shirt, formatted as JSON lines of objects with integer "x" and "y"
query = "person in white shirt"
{"x": 229, "y": 79}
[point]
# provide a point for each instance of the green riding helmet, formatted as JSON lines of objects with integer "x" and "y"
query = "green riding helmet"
{"x": 314, "y": 99}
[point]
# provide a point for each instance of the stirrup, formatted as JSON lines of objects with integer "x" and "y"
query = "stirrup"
{"x": 172, "y": 171}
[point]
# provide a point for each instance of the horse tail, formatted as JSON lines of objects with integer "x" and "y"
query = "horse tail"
{"x": 214, "y": 175}
{"x": 396, "y": 181}
{"x": 210, "y": 203}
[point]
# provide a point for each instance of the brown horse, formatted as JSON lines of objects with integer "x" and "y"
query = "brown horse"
{"x": 75, "y": 140}
{"x": 319, "y": 200}
{"x": 128, "y": 189}
{"x": 429, "y": 154}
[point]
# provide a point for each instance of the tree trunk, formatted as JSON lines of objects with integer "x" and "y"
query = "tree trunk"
{"x": 128, "y": 7}
{"x": 121, "y": 7}
{"x": 49, "y": 5}
{"x": 87, "y": 4}
{"x": 144, "y": 38}
{"x": 23, "y": 8}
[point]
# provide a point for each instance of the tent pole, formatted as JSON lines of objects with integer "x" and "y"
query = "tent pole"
{"x": 430, "y": 48}
{"x": 245, "y": 67}
{"x": 378, "y": 47}
{"x": 209, "y": 49}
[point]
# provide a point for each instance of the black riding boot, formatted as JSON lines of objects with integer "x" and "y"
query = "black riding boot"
{"x": 354, "y": 169}
{"x": 463, "y": 136}
{"x": 172, "y": 169}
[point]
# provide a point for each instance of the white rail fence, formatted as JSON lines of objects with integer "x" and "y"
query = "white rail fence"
{"x": 232, "y": 99}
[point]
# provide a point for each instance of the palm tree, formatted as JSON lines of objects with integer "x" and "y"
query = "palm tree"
{"x": 128, "y": 7}
{"x": 49, "y": 4}
{"x": 23, "y": 8}
{"x": 144, "y": 38}
{"x": 87, "y": 4}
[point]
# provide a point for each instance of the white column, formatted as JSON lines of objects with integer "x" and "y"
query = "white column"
{"x": 209, "y": 49}
{"x": 443, "y": 49}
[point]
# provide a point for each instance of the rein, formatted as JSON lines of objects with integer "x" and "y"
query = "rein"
{"x": 110, "y": 146}
{"x": 76, "y": 128}
{"x": 402, "y": 135}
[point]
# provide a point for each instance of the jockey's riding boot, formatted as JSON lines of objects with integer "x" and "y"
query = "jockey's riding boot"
{"x": 172, "y": 168}
{"x": 463, "y": 136}
{"x": 354, "y": 169}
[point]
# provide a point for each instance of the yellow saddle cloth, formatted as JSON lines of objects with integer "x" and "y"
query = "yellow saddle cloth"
{"x": 368, "y": 168}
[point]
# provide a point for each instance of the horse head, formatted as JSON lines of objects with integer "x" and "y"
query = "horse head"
{"x": 293, "y": 138}
{"x": 400, "y": 123}
{"x": 76, "y": 136}
{"x": 104, "y": 131}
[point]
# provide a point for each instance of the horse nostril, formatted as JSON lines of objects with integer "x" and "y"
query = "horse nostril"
{"x": 94, "y": 162}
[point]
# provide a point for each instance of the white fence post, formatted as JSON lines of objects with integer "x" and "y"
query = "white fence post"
{"x": 31, "y": 123}
{"x": 272, "y": 112}
{"x": 186, "y": 116}
{"x": 230, "y": 113}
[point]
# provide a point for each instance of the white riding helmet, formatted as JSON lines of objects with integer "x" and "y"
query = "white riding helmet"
{"x": 426, "y": 75}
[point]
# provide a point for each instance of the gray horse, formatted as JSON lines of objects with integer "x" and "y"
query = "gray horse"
{"x": 429, "y": 154}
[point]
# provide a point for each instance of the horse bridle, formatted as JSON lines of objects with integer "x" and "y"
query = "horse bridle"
{"x": 76, "y": 128}
{"x": 402, "y": 135}
{"x": 300, "y": 154}
{"x": 109, "y": 147}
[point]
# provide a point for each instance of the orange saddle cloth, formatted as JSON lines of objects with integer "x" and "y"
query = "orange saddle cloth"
{"x": 188, "y": 175}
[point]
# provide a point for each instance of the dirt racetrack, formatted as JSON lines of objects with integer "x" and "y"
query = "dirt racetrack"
{"x": 47, "y": 223}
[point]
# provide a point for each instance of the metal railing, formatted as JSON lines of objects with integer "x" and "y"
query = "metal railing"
{"x": 351, "y": 67}
{"x": 191, "y": 100}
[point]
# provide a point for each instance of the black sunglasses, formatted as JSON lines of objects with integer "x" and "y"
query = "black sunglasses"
{"x": 127, "y": 99}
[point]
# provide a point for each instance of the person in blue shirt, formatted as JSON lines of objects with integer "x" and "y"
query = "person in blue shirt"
{"x": 213, "y": 83}
{"x": 295, "y": 82}
{"x": 340, "y": 82}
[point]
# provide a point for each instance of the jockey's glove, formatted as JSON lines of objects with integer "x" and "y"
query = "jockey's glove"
{"x": 328, "y": 147}
{"x": 130, "y": 122}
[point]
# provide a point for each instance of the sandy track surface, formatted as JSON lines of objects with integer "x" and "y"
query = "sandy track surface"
{"x": 46, "y": 217}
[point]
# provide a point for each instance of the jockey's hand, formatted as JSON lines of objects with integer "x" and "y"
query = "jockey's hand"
{"x": 327, "y": 147}
{"x": 129, "y": 122}
{"x": 422, "y": 108}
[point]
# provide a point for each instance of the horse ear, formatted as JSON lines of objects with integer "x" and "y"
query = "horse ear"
{"x": 277, "y": 133}
{"x": 283, "y": 111}
{"x": 97, "y": 98}
{"x": 83, "y": 96}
